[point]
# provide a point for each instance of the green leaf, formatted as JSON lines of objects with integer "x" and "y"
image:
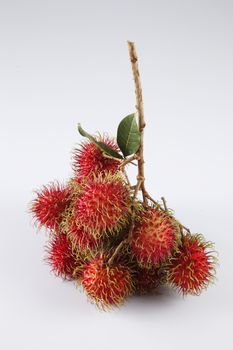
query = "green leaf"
{"x": 128, "y": 135}
{"x": 99, "y": 144}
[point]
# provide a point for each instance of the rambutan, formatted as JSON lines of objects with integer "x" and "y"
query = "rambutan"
{"x": 83, "y": 240}
{"x": 64, "y": 261}
{"x": 104, "y": 205}
{"x": 147, "y": 280}
{"x": 89, "y": 159}
{"x": 192, "y": 268}
{"x": 50, "y": 205}
{"x": 155, "y": 236}
{"x": 107, "y": 285}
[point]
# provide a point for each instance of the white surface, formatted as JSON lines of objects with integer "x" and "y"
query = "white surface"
{"x": 64, "y": 62}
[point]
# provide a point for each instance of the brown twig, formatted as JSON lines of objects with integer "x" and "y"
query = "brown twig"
{"x": 124, "y": 242}
{"x": 105, "y": 155}
{"x": 128, "y": 160}
{"x": 152, "y": 200}
{"x": 181, "y": 232}
{"x": 164, "y": 203}
{"x": 122, "y": 162}
{"x": 127, "y": 179}
{"x": 140, "y": 111}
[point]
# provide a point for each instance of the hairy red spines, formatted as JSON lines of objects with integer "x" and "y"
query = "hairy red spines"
{"x": 104, "y": 205}
{"x": 192, "y": 268}
{"x": 83, "y": 240}
{"x": 154, "y": 238}
{"x": 62, "y": 258}
{"x": 90, "y": 160}
{"x": 107, "y": 285}
{"x": 50, "y": 204}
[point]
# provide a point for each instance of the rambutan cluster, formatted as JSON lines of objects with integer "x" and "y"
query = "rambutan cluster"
{"x": 86, "y": 219}
{"x": 107, "y": 238}
{"x": 93, "y": 242}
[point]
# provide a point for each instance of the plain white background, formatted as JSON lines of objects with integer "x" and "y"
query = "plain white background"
{"x": 64, "y": 62}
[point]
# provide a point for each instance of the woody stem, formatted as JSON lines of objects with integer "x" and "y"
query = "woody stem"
{"x": 141, "y": 120}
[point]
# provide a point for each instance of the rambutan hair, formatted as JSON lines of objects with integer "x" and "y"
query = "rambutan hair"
{"x": 90, "y": 160}
{"x": 65, "y": 262}
{"x": 84, "y": 241}
{"x": 106, "y": 285}
{"x": 76, "y": 185}
{"x": 104, "y": 205}
{"x": 192, "y": 268}
{"x": 49, "y": 205}
{"x": 155, "y": 237}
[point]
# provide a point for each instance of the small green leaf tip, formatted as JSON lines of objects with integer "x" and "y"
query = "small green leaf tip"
{"x": 128, "y": 135}
{"x": 107, "y": 150}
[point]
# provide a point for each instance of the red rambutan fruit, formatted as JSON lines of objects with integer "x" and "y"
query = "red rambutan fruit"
{"x": 193, "y": 267}
{"x": 104, "y": 205}
{"x": 83, "y": 240}
{"x": 107, "y": 285}
{"x": 147, "y": 280}
{"x": 62, "y": 258}
{"x": 50, "y": 204}
{"x": 155, "y": 236}
{"x": 91, "y": 160}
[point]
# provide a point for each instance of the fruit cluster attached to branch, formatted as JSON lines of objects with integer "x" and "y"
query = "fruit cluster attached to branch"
{"x": 107, "y": 239}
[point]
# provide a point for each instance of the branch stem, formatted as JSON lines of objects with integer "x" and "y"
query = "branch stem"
{"x": 140, "y": 111}
{"x": 164, "y": 203}
{"x": 139, "y": 155}
{"x": 128, "y": 160}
